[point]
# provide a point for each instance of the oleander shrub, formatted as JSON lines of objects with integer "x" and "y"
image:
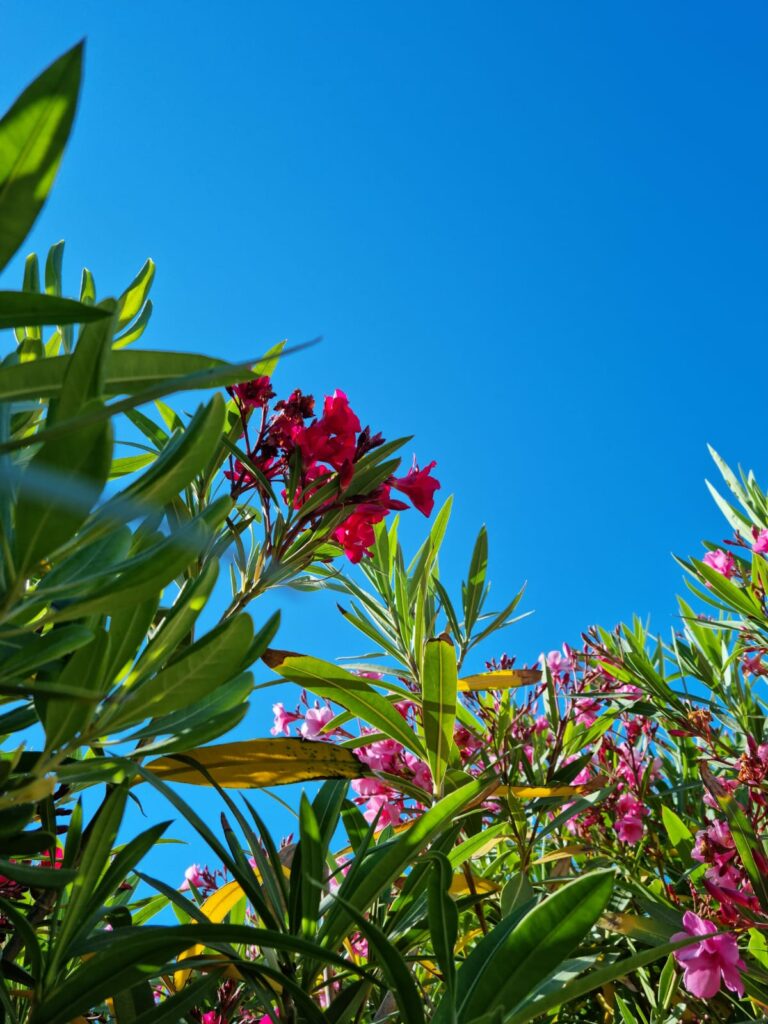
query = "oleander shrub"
{"x": 579, "y": 838}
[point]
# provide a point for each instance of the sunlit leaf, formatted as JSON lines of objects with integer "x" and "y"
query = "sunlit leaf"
{"x": 250, "y": 764}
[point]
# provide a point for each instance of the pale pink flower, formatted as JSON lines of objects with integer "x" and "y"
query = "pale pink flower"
{"x": 315, "y": 720}
{"x": 283, "y": 720}
{"x": 711, "y": 962}
{"x": 721, "y": 561}
{"x": 557, "y": 664}
{"x": 195, "y": 875}
{"x": 586, "y": 711}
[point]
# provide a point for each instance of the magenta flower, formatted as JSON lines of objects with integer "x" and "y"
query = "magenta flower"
{"x": 629, "y": 825}
{"x": 721, "y": 561}
{"x": 419, "y": 487}
{"x": 711, "y": 962}
{"x": 760, "y": 544}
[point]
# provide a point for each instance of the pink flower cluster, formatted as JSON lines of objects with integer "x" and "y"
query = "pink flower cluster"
{"x": 306, "y": 452}
{"x": 381, "y": 801}
{"x": 313, "y": 721}
{"x": 202, "y": 878}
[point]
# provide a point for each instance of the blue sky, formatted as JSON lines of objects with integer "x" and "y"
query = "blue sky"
{"x": 532, "y": 234}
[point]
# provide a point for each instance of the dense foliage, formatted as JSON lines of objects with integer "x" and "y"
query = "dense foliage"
{"x": 579, "y": 840}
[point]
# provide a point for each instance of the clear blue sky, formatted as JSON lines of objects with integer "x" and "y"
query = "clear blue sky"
{"x": 531, "y": 234}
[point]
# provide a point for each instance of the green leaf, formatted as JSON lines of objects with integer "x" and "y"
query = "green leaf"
{"x": 678, "y": 833}
{"x": 26, "y": 309}
{"x": 137, "y": 328}
{"x": 128, "y": 629}
{"x": 361, "y": 888}
{"x": 33, "y": 134}
{"x": 516, "y": 893}
{"x": 135, "y": 295}
{"x": 506, "y": 967}
{"x": 393, "y": 967}
{"x": 128, "y": 372}
{"x": 438, "y": 698}
{"x": 473, "y": 590}
{"x": 443, "y": 916}
{"x": 64, "y": 719}
{"x": 145, "y": 952}
{"x": 48, "y": 513}
{"x": 182, "y": 458}
{"x": 179, "y": 621}
{"x": 144, "y": 575}
{"x": 312, "y": 867}
{"x": 93, "y": 863}
{"x": 42, "y": 523}
{"x": 579, "y": 987}
{"x": 37, "y": 878}
{"x": 133, "y": 1002}
{"x": 212, "y": 660}
{"x": 35, "y": 650}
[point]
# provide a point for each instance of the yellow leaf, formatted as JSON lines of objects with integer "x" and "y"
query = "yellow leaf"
{"x": 251, "y": 764}
{"x": 219, "y": 903}
{"x": 566, "y": 851}
{"x": 464, "y": 940}
{"x": 504, "y": 679}
{"x": 534, "y": 792}
{"x": 460, "y": 886}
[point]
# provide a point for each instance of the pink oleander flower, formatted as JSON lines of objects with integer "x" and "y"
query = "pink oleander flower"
{"x": 195, "y": 875}
{"x": 422, "y": 776}
{"x": 753, "y": 666}
{"x": 586, "y": 711}
{"x": 711, "y": 962}
{"x": 721, "y": 561}
{"x": 760, "y": 542}
{"x": 556, "y": 663}
{"x": 380, "y": 801}
{"x": 359, "y": 945}
{"x": 629, "y": 825}
{"x": 283, "y": 720}
{"x": 315, "y": 720}
{"x": 419, "y": 487}
{"x": 213, "y": 1017}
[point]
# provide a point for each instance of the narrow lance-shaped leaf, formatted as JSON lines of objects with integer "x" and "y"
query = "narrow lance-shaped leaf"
{"x": 512, "y": 960}
{"x": 251, "y": 764}
{"x": 438, "y": 697}
{"x": 33, "y": 134}
{"x": 26, "y": 309}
